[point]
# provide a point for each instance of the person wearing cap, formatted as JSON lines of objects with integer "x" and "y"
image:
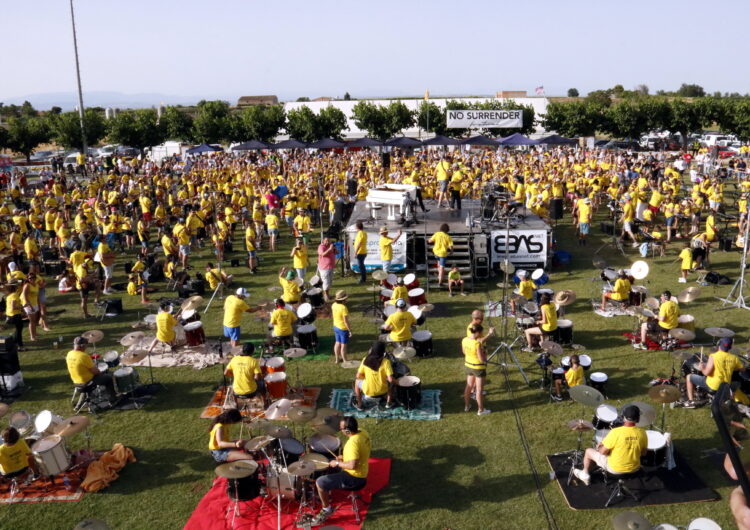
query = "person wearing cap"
{"x": 669, "y": 314}
{"x": 399, "y": 324}
{"x": 620, "y": 451}
{"x": 244, "y": 369}
{"x": 526, "y": 288}
{"x": 342, "y": 331}
{"x": 234, "y": 307}
{"x": 14, "y": 273}
{"x": 165, "y": 323}
{"x": 386, "y": 247}
{"x": 299, "y": 257}
{"x": 716, "y": 370}
{"x": 326, "y": 265}
{"x": 291, "y": 290}
{"x": 400, "y": 291}
{"x": 82, "y": 369}
{"x": 475, "y": 364}
{"x": 620, "y": 292}
{"x": 281, "y": 322}
{"x": 584, "y": 220}
{"x": 442, "y": 246}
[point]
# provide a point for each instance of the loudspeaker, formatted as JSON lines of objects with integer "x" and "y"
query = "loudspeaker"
{"x": 338, "y": 212}
{"x": 556, "y": 208}
{"x": 725, "y": 244}
{"x": 199, "y": 286}
{"x": 113, "y": 306}
{"x": 9, "y": 363}
{"x": 386, "y": 159}
{"x": 50, "y": 254}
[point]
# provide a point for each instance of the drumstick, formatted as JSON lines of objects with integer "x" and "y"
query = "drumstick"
{"x": 701, "y": 353}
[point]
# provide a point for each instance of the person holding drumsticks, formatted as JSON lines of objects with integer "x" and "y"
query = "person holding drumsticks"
{"x": 475, "y": 362}
{"x": 526, "y": 288}
{"x": 621, "y": 290}
{"x": 234, "y": 306}
{"x": 245, "y": 370}
{"x": 573, "y": 377}
{"x": 669, "y": 314}
{"x": 547, "y": 324}
{"x": 222, "y": 448}
{"x": 716, "y": 370}
{"x": 165, "y": 323}
{"x": 375, "y": 376}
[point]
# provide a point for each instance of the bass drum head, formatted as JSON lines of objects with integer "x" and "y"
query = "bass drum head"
{"x": 304, "y": 310}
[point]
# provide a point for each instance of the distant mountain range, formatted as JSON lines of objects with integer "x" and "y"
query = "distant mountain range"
{"x": 69, "y": 100}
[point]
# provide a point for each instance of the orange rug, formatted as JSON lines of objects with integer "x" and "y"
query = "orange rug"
{"x": 215, "y": 406}
{"x": 42, "y": 490}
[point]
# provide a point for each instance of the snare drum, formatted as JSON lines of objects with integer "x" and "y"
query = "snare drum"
{"x": 690, "y": 366}
{"x": 316, "y": 281}
{"x": 112, "y": 358}
{"x": 51, "y": 455}
{"x": 275, "y": 364}
{"x": 531, "y": 308}
{"x": 386, "y": 294}
{"x": 585, "y": 362}
{"x": 422, "y": 341}
{"x": 388, "y": 311}
{"x": 315, "y": 295}
{"x": 307, "y": 336}
{"x": 656, "y": 454}
{"x": 411, "y": 281}
{"x": 194, "y": 334}
{"x": 325, "y": 444}
{"x": 22, "y": 421}
{"x": 102, "y": 367}
{"x": 418, "y": 315}
{"x": 604, "y": 416}
{"x": 306, "y": 313}
{"x": 686, "y": 322}
{"x": 417, "y": 297}
{"x": 126, "y": 379}
{"x": 525, "y": 323}
{"x": 558, "y": 374}
{"x": 45, "y": 422}
{"x": 276, "y": 384}
{"x": 600, "y": 435}
{"x": 539, "y": 277}
{"x": 390, "y": 281}
{"x": 189, "y": 315}
{"x": 409, "y": 391}
{"x": 565, "y": 330}
{"x": 598, "y": 380}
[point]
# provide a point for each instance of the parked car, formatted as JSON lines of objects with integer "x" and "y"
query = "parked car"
{"x": 42, "y": 156}
{"x": 622, "y": 145}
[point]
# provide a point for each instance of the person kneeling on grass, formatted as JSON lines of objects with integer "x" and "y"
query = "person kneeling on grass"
{"x": 222, "y": 448}
{"x": 375, "y": 376}
{"x": 455, "y": 280}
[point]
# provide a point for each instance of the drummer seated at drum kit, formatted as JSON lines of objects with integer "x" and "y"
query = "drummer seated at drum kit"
{"x": 247, "y": 377}
{"x": 547, "y": 324}
{"x": 222, "y": 448}
{"x": 82, "y": 370}
{"x": 620, "y": 451}
{"x": 620, "y": 292}
{"x": 282, "y": 320}
{"x": 400, "y": 291}
{"x": 291, "y": 289}
{"x": 669, "y": 314}
{"x": 16, "y": 458}
{"x": 374, "y": 377}
{"x": 573, "y": 377}
{"x": 399, "y": 324}
{"x": 526, "y": 288}
{"x": 717, "y": 370}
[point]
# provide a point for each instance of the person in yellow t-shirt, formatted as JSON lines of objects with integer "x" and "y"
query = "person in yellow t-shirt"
{"x": 342, "y": 331}
{"x": 443, "y": 245}
{"x": 573, "y": 377}
{"x": 282, "y": 320}
{"x": 250, "y": 245}
{"x": 234, "y": 307}
{"x": 400, "y": 323}
{"x": 620, "y": 451}
{"x": 547, "y": 324}
{"x": 717, "y": 370}
{"x": 272, "y": 225}
{"x": 621, "y": 290}
{"x": 165, "y": 323}
{"x": 244, "y": 369}
{"x": 15, "y": 455}
{"x": 353, "y": 463}
{"x": 526, "y": 288}
{"x": 81, "y": 367}
{"x": 400, "y": 291}
{"x": 628, "y": 216}
{"x": 475, "y": 365}
{"x": 669, "y": 314}
{"x": 584, "y": 220}
{"x": 386, "y": 247}
{"x": 374, "y": 376}
{"x": 360, "y": 250}
{"x": 299, "y": 258}
{"x": 222, "y": 448}
{"x": 288, "y": 281}
{"x": 686, "y": 262}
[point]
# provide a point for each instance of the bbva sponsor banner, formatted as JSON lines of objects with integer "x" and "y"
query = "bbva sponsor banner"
{"x": 523, "y": 246}
{"x": 475, "y": 119}
{"x": 373, "y": 261}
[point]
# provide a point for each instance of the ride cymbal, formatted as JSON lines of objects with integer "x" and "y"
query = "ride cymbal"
{"x": 301, "y": 469}
{"x": 301, "y": 414}
{"x": 651, "y": 303}
{"x": 192, "y": 303}
{"x": 586, "y": 395}
{"x": 258, "y": 443}
{"x": 580, "y": 425}
{"x": 664, "y": 393}
{"x": 94, "y": 335}
{"x": 719, "y": 333}
{"x": 688, "y": 295}
{"x": 685, "y": 335}
{"x": 648, "y": 413}
{"x": 71, "y": 426}
{"x": 379, "y": 275}
{"x": 237, "y": 469}
{"x": 277, "y": 431}
{"x": 630, "y": 521}
{"x": 320, "y": 461}
{"x": 405, "y": 353}
{"x": 132, "y": 338}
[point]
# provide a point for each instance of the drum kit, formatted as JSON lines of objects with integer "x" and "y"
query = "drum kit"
{"x": 664, "y": 394}
{"x": 634, "y": 521}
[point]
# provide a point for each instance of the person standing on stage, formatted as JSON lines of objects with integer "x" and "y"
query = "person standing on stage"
{"x": 442, "y": 246}
{"x": 341, "y": 328}
{"x": 234, "y": 306}
{"x": 326, "y": 265}
{"x": 360, "y": 250}
{"x": 442, "y": 174}
{"x": 386, "y": 247}
{"x": 475, "y": 363}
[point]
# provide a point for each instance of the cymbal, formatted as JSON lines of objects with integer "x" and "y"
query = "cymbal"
{"x": 639, "y": 270}
{"x": 326, "y": 412}
{"x": 503, "y": 285}
{"x": 688, "y": 295}
{"x": 373, "y": 289}
{"x": 684, "y": 335}
{"x": 320, "y": 461}
{"x": 132, "y": 338}
{"x": 664, "y": 393}
{"x": 404, "y": 353}
{"x": 379, "y": 275}
{"x": 630, "y": 521}
{"x": 599, "y": 263}
{"x": 237, "y": 469}
{"x": 507, "y": 267}
{"x": 278, "y": 409}
{"x": 719, "y": 333}
{"x": 4, "y": 409}
{"x": 295, "y": 353}
{"x": 426, "y": 308}
{"x": 551, "y": 348}
{"x": 71, "y": 426}
{"x": 94, "y": 335}
{"x": 192, "y": 303}
{"x": 564, "y": 298}
{"x": 648, "y": 413}
{"x": 651, "y": 303}
{"x": 301, "y": 414}
{"x": 277, "y": 431}
{"x": 585, "y": 395}
{"x": 302, "y": 469}
{"x": 258, "y": 443}
{"x": 350, "y": 364}
{"x": 580, "y": 425}
{"x": 531, "y": 307}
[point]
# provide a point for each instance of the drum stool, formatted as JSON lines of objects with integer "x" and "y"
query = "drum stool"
{"x": 354, "y": 497}
{"x": 620, "y": 488}
{"x": 553, "y": 335}
{"x": 246, "y": 399}
{"x": 83, "y": 392}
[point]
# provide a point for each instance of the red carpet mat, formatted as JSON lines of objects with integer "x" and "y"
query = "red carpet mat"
{"x": 211, "y": 513}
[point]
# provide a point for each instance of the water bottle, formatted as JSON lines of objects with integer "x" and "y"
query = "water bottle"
{"x": 66, "y": 483}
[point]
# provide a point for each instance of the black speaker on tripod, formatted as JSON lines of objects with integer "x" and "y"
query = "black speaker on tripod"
{"x": 9, "y": 363}
{"x": 556, "y": 208}
{"x": 386, "y": 159}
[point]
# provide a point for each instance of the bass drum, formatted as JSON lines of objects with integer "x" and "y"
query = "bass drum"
{"x": 409, "y": 392}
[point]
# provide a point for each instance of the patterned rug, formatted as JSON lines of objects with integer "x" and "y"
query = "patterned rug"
{"x": 42, "y": 490}
{"x": 216, "y": 405}
{"x": 429, "y": 408}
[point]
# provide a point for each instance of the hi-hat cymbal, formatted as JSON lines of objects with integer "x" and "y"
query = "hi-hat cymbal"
{"x": 564, "y": 298}
{"x": 599, "y": 263}
{"x": 648, "y": 413}
{"x": 651, "y": 303}
{"x": 685, "y": 335}
{"x": 94, "y": 335}
{"x": 639, "y": 270}
{"x": 4, "y": 409}
{"x": 133, "y": 357}
{"x": 71, "y": 426}
{"x": 132, "y": 338}
{"x": 580, "y": 425}
{"x": 277, "y": 431}
{"x": 507, "y": 267}
{"x": 551, "y": 348}
{"x": 630, "y": 521}
{"x": 379, "y": 275}
{"x": 301, "y": 469}
{"x": 688, "y": 295}
{"x": 664, "y": 393}
{"x": 301, "y": 414}
{"x": 295, "y": 353}
{"x": 320, "y": 461}
{"x": 426, "y": 308}
{"x": 237, "y": 469}
{"x": 719, "y": 333}
{"x": 586, "y": 395}
{"x": 192, "y": 303}
{"x": 404, "y": 353}
{"x": 258, "y": 443}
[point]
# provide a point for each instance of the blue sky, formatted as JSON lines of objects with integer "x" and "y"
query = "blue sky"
{"x": 225, "y": 49}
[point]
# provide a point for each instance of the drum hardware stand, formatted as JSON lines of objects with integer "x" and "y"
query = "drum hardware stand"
{"x": 576, "y": 457}
{"x": 374, "y": 308}
{"x": 507, "y": 350}
{"x": 736, "y": 297}
{"x": 614, "y": 241}
{"x": 220, "y": 286}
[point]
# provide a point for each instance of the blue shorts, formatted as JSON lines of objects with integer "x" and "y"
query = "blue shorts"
{"x": 273, "y": 231}
{"x": 251, "y": 253}
{"x": 441, "y": 261}
{"x": 232, "y": 333}
{"x": 583, "y": 228}
{"x": 185, "y": 249}
{"x": 220, "y": 455}
{"x": 342, "y": 335}
{"x": 443, "y": 185}
{"x": 671, "y": 220}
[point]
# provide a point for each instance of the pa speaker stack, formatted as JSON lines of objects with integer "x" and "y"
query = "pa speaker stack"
{"x": 9, "y": 364}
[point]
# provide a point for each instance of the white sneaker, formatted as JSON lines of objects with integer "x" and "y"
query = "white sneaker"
{"x": 483, "y": 412}
{"x": 581, "y": 475}
{"x": 682, "y": 280}
{"x": 636, "y": 244}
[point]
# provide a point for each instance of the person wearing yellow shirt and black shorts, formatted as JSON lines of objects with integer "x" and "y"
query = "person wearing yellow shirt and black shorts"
{"x": 342, "y": 330}
{"x": 669, "y": 314}
{"x": 621, "y": 290}
{"x": 14, "y": 310}
{"x": 717, "y": 370}
{"x": 353, "y": 463}
{"x": 547, "y": 324}
{"x": 360, "y": 250}
{"x": 245, "y": 371}
{"x": 475, "y": 363}
{"x": 620, "y": 451}
{"x": 443, "y": 245}
{"x": 374, "y": 377}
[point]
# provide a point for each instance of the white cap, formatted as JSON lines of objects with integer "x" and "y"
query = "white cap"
{"x": 242, "y": 292}
{"x": 12, "y": 266}
{"x": 400, "y": 302}
{"x": 521, "y": 273}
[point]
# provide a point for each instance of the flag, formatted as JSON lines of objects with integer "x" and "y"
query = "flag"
{"x": 427, "y": 94}
{"x": 539, "y": 90}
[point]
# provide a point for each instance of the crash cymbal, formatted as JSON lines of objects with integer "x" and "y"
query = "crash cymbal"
{"x": 278, "y": 409}
{"x": 719, "y": 333}
{"x": 664, "y": 393}
{"x": 277, "y": 431}
{"x": 379, "y": 275}
{"x": 320, "y": 461}
{"x": 651, "y": 303}
{"x": 301, "y": 469}
{"x": 426, "y": 308}
{"x": 551, "y": 348}
{"x": 350, "y": 364}
{"x": 507, "y": 267}
{"x": 4, "y": 409}
{"x": 688, "y": 295}
{"x": 580, "y": 425}
{"x": 133, "y": 357}
{"x": 404, "y": 353}
{"x": 639, "y": 270}
{"x": 564, "y": 298}
{"x": 585, "y": 395}
{"x": 258, "y": 443}
{"x": 301, "y": 414}
{"x": 132, "y": 338}
{"x": 237, "y": 469}
{"x": 630, "y": 521}
{"x": 192, "y": 303}
{"x": 94, "y": 335}
{"x": 599, "y": 263}
{"x": 685, "y": 335}
{"x": 644, "y": 311}
{"x": 295, "y": 353}
{"x": 648, "y": 413}
{"x": 71, "y": 426}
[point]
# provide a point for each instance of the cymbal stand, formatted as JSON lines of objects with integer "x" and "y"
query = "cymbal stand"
{"x": 235, "y": 504}
{"x": 736, "y": 297}
{"x": 375, "y": 308}
{"x": 575, "y": 458}
{"x": 507, "y": 349}
{"x": 614, "y": 240}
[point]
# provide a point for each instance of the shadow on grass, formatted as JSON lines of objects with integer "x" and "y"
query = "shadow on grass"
{"x": 156, "y": 467}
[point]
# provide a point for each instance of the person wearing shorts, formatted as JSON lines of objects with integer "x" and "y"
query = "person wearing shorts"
{"x": 475, "y": 363}
{"x": 326, "y": 265}
{"x": 341, "y": 328}
{"x": 222, "y": 448}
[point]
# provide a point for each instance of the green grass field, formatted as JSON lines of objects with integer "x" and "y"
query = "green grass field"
{"x": 461, "y": 472}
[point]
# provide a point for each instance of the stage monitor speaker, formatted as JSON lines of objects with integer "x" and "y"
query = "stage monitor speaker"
{"x": 556, "y": 208}
{"x": 9, "y": 363}
{"x": 338, "y": 212}
{"x": 480, "y": 245}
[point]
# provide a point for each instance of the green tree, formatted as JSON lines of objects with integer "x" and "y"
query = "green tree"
{"x": 3, "y": 138}
{"x": 740, "y": 118}
{"x": 178, "y": 124}
{"x": 373, "y": 119}
{"x": 573, "y": 93}
{"x": 436, "y": 122}
{"x": 331, "y": 122}
{"x": 690, "y": 91}
{"x": 399, "y": 117}
{"x": 28, "y": 110}
{"x": 577, "y": 118}
{"x": 25, "y": 133}
{"x": 138, "y": 128}
{"x": 302, "y": 124}
{"x": 262, "y": 122}
{"x": 66, "y": 128}
{"x": 626, "y": 119}
{"x": 686, "y": 118}
{"x": 658, "y": 112}
{"x": 641, "y": 90}
{"x": 528, "y": 121}
{"x": 602, "y": 98}
{"x": 212, "y": 123}
{"x": 303, "y": 99}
